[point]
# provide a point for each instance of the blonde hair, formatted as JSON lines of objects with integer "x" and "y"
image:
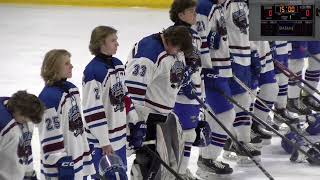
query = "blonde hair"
{"x": 98, "y": 36}
{"x": 50, "y": 68}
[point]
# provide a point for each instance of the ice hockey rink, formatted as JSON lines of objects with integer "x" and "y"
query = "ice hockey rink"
{"x": 28, "y": 32}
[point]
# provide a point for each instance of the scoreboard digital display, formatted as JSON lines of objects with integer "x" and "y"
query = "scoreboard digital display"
{"x": 287, "y": 20}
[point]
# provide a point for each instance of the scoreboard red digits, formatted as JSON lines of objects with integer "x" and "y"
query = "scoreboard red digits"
{"x": 287, "y": 20}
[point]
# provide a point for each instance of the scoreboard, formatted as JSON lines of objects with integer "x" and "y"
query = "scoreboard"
{"x": 284, "y": 20}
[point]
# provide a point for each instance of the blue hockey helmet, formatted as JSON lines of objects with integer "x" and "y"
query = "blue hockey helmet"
{"x": 295, "y": 138}
{"x": 111, "y": 167}
{"x": 314, "y": 124}
{"x": 203, "y": 132}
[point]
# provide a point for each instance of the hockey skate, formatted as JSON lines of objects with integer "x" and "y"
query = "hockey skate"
{"x": 208, "y": 168}
{"x": 243, "y": 158}
{"x": 310, "y": 102}
{"x": 264, "y": 134}
{"x": 296, "y": 106}
{"x": 256, "y": 140}
{"x": 289, "y": 117}
{"x": 229, "y": 150}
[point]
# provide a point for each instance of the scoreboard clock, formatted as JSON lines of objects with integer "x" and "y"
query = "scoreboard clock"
{"x": 284, "y": 20}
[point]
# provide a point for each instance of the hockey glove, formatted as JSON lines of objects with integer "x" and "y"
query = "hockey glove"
{"x": 214, "y": 40}
{"x": 65, "y": 168}
{"x": 255, "y": 64}
{"x": 137, "y": 134}
{"x": 314, "y": 124}
{"x": 188, "y": 91}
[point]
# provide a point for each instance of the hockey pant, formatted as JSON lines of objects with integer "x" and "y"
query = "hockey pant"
{"x": 163, "y": 137}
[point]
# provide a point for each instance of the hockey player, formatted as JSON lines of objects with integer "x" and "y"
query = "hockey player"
{"x": 236, "y": 15}
{"x": 186, "y": 109}
{"x": 104, "y": 97}
{"x": 65, "y": 152}
{"x": 281, "y": 52}
{"x": 268, "y": 89}
{"x": 216, "y": 71}
{"x": 17, "y": 113}
{"x": 296, "y": 64}
{"x": 154, "y": 74}
{"x": 312, "y": 74}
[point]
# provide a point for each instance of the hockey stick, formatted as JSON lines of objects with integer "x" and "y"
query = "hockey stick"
{"x": 173, "y": 172}
{"x": 204, "y": 106}
{"x": 283, "y": 120}
{"x": 294, "y": 76}
{"x": 267, "y": 125}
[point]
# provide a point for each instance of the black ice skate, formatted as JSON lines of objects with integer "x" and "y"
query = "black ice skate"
{"x": 310, "y": 102}
{"x": 286, "y": 116}
{"x": 296, "y": 106}
{"x": 256, "y": 140}
{"x": 243, "y": 158}
{"x": 264, "y": 134}
{"x": 208, "y": 168}
{"x": 229, "y": 150}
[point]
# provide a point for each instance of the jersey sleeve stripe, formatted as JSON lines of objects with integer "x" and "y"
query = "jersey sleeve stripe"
{"x": 92, "y": 109}
{"x": 95, "y": 117}
{"x": 51, "y": 139}
{"x": 53, "y": 147}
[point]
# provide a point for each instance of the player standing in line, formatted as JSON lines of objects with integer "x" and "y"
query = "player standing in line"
{"x": 17, "y": 113}
{"x": 296, "y": 64}
{"x": 65, "y": 152}
{"x": 186, "y": 109}
{"x": 312, "y": 74}
{"x": 154, "y": 74}
{"x": 216, "y": 71}
{"x": 106, "y": 107}
{"x": 236, "y": 15}
{"x": 268, "y": 89}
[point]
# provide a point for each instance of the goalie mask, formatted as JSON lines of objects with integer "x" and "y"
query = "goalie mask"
{"x": 111, "y": 167}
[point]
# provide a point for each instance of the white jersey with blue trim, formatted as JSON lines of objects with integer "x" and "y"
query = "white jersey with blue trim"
{"x": 219, "y": 53}
{"x": 151, "y": 76}
{"x": 15, "y": 145}
{"x": 236, "y": 15}
{"x": 61, "y": 131}
{"x": 265, "y": 55}
{"x": 203, "y": 27}
{"x": 103, "y": 102}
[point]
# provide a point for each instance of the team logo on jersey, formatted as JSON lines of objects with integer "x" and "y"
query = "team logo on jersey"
{"x": 116, "y": 94}
{"x": 75, "y": 119}
{"x": 177, "y": 74}
{"x": 240, "y": 20}
{"x": 222, "y": 27}
{"x": 24, "y": 147}
{"x": 200, "y": 26}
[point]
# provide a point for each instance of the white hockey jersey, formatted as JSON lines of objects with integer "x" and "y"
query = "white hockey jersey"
{"x": 211, "y": 20}
{"x": 61, "y": 131}
{"x": 265, "y": 55}
{"x": 103, "y": 102}
{"x": 151, "y": 76}
{"x": 236, "y": 15}
{"x": 15, "y": 145}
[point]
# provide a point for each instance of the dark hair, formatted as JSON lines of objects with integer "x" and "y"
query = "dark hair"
{"x": 98, "y": 35}
{"x": 27, "y": 105}
{"x": 179, "y": 6}
{"x": 179, "y": 36}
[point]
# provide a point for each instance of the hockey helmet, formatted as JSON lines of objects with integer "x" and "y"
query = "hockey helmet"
{"x": 111, "y": 167}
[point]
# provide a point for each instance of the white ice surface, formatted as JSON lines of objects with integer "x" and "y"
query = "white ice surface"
{"x": 28, "y": 32}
